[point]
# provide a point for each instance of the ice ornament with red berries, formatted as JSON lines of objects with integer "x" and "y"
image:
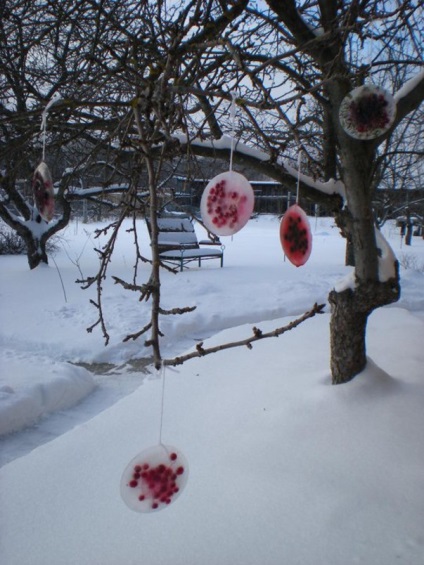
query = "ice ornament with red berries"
{"x": 367, "y": 112}
{"x": 295, "y": 235}
{"x": 154, "y": 479}
{"x": 42, "y": 186}
{"x": 227, "y": 203}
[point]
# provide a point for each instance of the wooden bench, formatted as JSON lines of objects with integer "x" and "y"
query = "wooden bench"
{"x": 178, "y": 244}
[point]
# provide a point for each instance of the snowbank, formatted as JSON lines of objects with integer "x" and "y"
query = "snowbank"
{"x": 34, "y": 388}
{"x": 284, "y": 467}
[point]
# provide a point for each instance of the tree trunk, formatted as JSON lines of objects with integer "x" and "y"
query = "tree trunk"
{"x": 155, "y": 274}
{"x": 349, "y": 315}
{"x": 408, "y": 236}
{"x": 347, "y": 337}
{"x": 36, "y": 252}
{"x": 349, "y": 254}
{"x": 35, "y": 240}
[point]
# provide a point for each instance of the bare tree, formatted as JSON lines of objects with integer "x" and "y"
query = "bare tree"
{"x": 300, "y": 56}
{"x": 157, "y": 80}
{"x": 48, "y": 52}
{"x": 160, "y": 73}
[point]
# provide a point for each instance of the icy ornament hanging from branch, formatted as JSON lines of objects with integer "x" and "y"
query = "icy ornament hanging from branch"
{"x": 42, "y": 186}
{"x": 295, "y": 235}
{"x": 154, "y": 479}
{"x": 367, "y": 112}
{"x": 227, "y": 203}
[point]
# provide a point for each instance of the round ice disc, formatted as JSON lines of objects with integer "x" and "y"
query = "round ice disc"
{"x": 295, "y": 235}
{"x": 367, "y": 112}
{"x": 154, "y": 479}
{"x": 227, "y": 203}
{"x": 42, "y": 186}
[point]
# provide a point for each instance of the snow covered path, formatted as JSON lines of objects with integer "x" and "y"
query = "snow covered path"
{"x": 284, "y": 468}
{"x": 43, "y": 324}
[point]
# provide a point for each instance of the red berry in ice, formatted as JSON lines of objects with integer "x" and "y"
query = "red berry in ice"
{"x": 133, "y": 483}
{"x": 180, "y": 470}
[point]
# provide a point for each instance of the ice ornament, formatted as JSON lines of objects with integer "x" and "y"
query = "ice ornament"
{"x": 227, "y": 203}
{"x": 154, "y": 479}
{"x": 42, "y": 186}
{"x": 295, "y": 235}
{"x": 367, "y": 112}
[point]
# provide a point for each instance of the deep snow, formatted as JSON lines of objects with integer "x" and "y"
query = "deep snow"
{"x": 284, "y": 468}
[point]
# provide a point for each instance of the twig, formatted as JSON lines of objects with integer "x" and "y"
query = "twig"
{"x": 136, "y": 335}
{"x": 60, "y": 277}
{"x": 129, "y": 286}
{"x": 257, "y": 335}
{"x": 177, "y": 311}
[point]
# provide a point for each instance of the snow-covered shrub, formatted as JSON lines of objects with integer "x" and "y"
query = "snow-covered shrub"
{"x": 410, "y": 261}
{"x": 10, "y": 242}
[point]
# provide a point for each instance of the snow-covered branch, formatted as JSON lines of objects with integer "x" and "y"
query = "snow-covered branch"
{"x": 409, "y": 96}
{"x": 386, "y": 258}
{"x": 280, "y": 169}
{"x": 413, "y": 83}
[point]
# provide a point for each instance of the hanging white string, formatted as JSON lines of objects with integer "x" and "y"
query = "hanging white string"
{"x": 162, "y": 402}
{"x": 55, "y": 98}
{"x": 44, "y": 130}
{"x": 298, "y": 175}
{"x": 233, "y": 126}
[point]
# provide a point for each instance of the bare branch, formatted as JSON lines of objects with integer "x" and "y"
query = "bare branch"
{"x": 257, "y": 335}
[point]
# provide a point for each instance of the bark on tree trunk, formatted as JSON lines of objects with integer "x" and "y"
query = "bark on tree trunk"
{"x": 349, "y": 254}
{"x": 347, "y": 337}
{"x": 36, "y": 252}
{"x": 349, "y": 315}
{"x": 36, "y": 248}
{"x": 408, "y": 236}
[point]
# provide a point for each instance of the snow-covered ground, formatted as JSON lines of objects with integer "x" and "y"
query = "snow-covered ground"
{"x": 284, "y": 468}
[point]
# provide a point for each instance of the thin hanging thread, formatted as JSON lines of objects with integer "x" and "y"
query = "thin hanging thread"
{"x": 232, "y": 123}
{"x": 162, "y": 403}
{"x": 55, "y": 98}
{"x": 298, "y": 176}
{"x": 44, "y": 130}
